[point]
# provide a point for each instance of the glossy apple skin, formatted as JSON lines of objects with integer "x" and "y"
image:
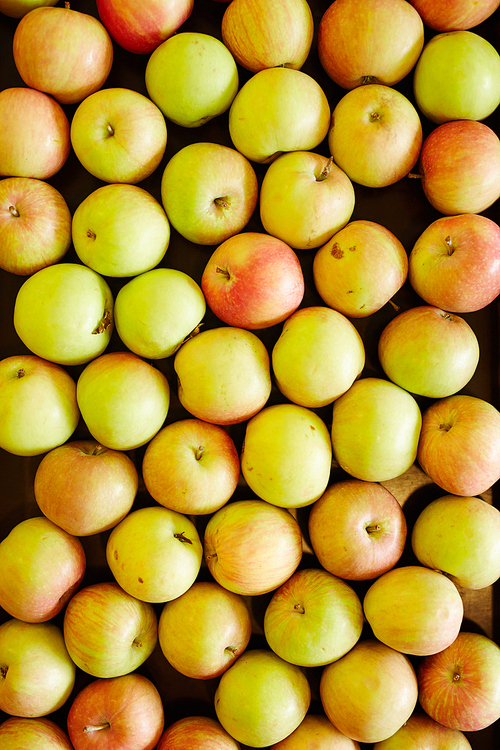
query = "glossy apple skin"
{"x": 17, "y": 733}
{"x": 441, "y": 15}
{"x": 315, "y": 732}
{"x": 197, "y": 733}
{"x": 422, "y": 731}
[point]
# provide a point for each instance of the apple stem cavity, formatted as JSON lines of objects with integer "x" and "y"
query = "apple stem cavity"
{"x": 97, "y": 727}
{"x": 103, "y": 324}
{"x": 14, "y": 212}
{"x": 180, "y": 536}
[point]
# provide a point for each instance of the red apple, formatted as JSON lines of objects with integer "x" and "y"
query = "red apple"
{"x": 197, "y": 733}
{"x": 443, "y": 15}
{"x": 36, "y": 734}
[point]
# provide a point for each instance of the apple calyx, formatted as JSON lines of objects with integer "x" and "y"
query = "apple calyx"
{"x": 325, "y": 171}
{"x": 19, "y": 373}
{"x": 90, "y": 234}
{"x": 97, "y": 727}
{"x": 364, "y": 80}
{"x": 104, "y": 323}
{"x": 3, "y": 672}
{"x": 180, "y": 536}
{"x": 14, "y": 212}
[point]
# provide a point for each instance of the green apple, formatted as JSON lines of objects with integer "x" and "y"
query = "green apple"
{"x": 422, "y": 731}
{"x": 316, "y": 731}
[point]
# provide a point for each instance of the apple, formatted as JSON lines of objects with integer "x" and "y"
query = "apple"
{"x": 17, "y": 733}
{"x": 63, "y": 52}
{"x": 209, "y": 192}
{"x": 38, "y": 406}
{"x": 192, "y": 77}
{"x": 422, "y": 731}
{"x": 428, "y": 351}
{"x": 316, "y": 731}
{"x": 156, "y": 311}
{"x": 191, "y": 466}
{"x": 38, "y": 674}
{"x": 360, "y": 268}
{"x": 357, "y": 529}
{"x": 375, "y": 430}
{"x": 459, "y": 167}
{"x": 305, "y": 198}
{"x": 317, "y": 356}
{"x": 223, "y": 375}
{"x": 120, "y": 230}
{"x": 267, "y": 35}
{"x": 277, "y": 110}
{"x": 64, "y": 313}
{"x": 35, "y": 135}
{"x": 459, "y": 686}
{"x": 154, "y": 554}
{"x": 118, "y": 135}
{"x": 253, "y": 280}
{"x": 455, "y": 263}
{"x": 197, "y": 732}
{"x": 414, "y": 609}
{"x": 440, "y": 15}
{"x": 119, "y": 713}
{"x": 459, "y": 536}
{"x": 376, "y": 135}
{"x": 123, "y": 400}
{"x": 203, "y": 631}
{"x": 41, "y": 567}
{"x": 286, "y": 457}
{"x": 141, "y": 28}
{"x": 313, "y": 619}
{"x": 459, "y": 444}
{"x": 252, "y": 547}
{"x": 370, "y": 692}
{"x": 35, "y": 225}
{"x": 107, "y": 632}
{"x": 369, "y": 41}
{"x": 261, "y": 698}
{"x": 19, "y": 8}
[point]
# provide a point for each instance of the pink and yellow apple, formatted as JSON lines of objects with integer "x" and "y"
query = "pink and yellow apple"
{"x": 197, "y": 732}
{"x": 17, "y": 733}
{"x": 316, "y": 732}
{"x": 422, "y": 731}
{"x": 441, "y": 15}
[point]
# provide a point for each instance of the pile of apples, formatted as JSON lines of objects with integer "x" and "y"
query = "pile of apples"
{"x": 249, "y": 270}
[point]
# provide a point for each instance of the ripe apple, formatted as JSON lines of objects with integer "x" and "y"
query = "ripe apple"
{"x": 197, "y": 733}
{"x": 156, "y": 311}
{"x": 375, "y": 430}
{"x": 261, "y": 698}
{"x": 414, "y": 609}
{"x": 191, "y": 466}
{"x": 420, "y": 731}
{"x": 123, "y": 400}
{"x": 317, "y": 356}
{"x": 276, "y": 110}
{"x": 455, "y": 263}
{"x": 305, "y": 198}
{"x": 360, "y": 268}
{"x": 38, "y": 674}
{"x": 209, "y": 192}
{"x": 118, "y": 135}
{"x": 357, "y": 529}
{"x": 38, "y": 406}
{"x": 252, "y": 547}
{"x": 253, "y": 280}
{"x": 316, "y": 732}
{"x": 18, "y": 8}
{"x": 154, "y": 554}
{"x": 440, "y": 15}
{"x": 120, "y": 230}
{"x": 192, "y": 77}
{"x": 41, "y": 567}
{"x": 370, "y": 692}
{"x": 35, "y": 134}
{"x": 203, "y": 631}
{"x": 17, "y": 733}
{"x": 35, "y": 225}
{"x": 267, "y": 35}
{"x": 64, "y": 313}
{"x": 459, "y": 445}
{"x": 375, "y": 135}
{"x": 369, "y": 41}
{"x": 286, "y": 456}
{"x": 223, "y": 375}
{"x": 107, "y": 632}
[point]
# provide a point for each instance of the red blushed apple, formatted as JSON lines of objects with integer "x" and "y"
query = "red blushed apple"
{"x": 253, "y": 280}
{"x": 197, "y": 733}
{"x": 459, "y": 444}
{"x": 17, "y": 733}
{"x": 120, "y": 713}
{"x": 443, "y": 15}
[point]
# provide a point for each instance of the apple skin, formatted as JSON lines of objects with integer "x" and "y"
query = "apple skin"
{"x": 455, "y": 263}
{"x": 119, "y": 713}
{"x": 41, "y": 567}
{"x": 262, "y": 35}
{"x": 370, "y": 692}
{"x": 459, "y": 686}
{"x": 414, "y": 609}
{"x": 420, "y": 731}
{"x": 357, "y": 530}
{"x": 346, "y": 47}
{"x": 253, "y": 281}
{"x": 459, "y": 444}
{"x": 38, "y": 673}
{"x": 203, "y": 631}
{"x": 40, "y": 395}
{"x": 316, "y": 732}
{"x": 441, "y": 15}
{"x": 17, "y": 733}
{"x": 261, "y": 698}
{"x": 252, "y": 547}
{"x": 35, "y": 225}
{"x": 35, "y": 136}
{"x": 191, "y": 466}
{"x": 197, "y": 733}
{"x": 359, "y": 283}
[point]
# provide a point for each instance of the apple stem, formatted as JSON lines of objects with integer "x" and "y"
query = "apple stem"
{"x": 372, "y": 529}
{"x": 183, "y": 538}
{"x": 110, "y": 129}
{"x": 13, "y": 210}
{"x": 222, "y": 201}
{"x": 415, "y": 175}
{"x": 223, "y": 271}
{"x": 326, "y": 170}
{"x": 299, "y": 608}
{"x": 97, "y": 727}
{"x": 449, "y": 244}
{"x": 199, "y": 452}
{"x": 396, "y": 307}
{"x": 231, "y": 650}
